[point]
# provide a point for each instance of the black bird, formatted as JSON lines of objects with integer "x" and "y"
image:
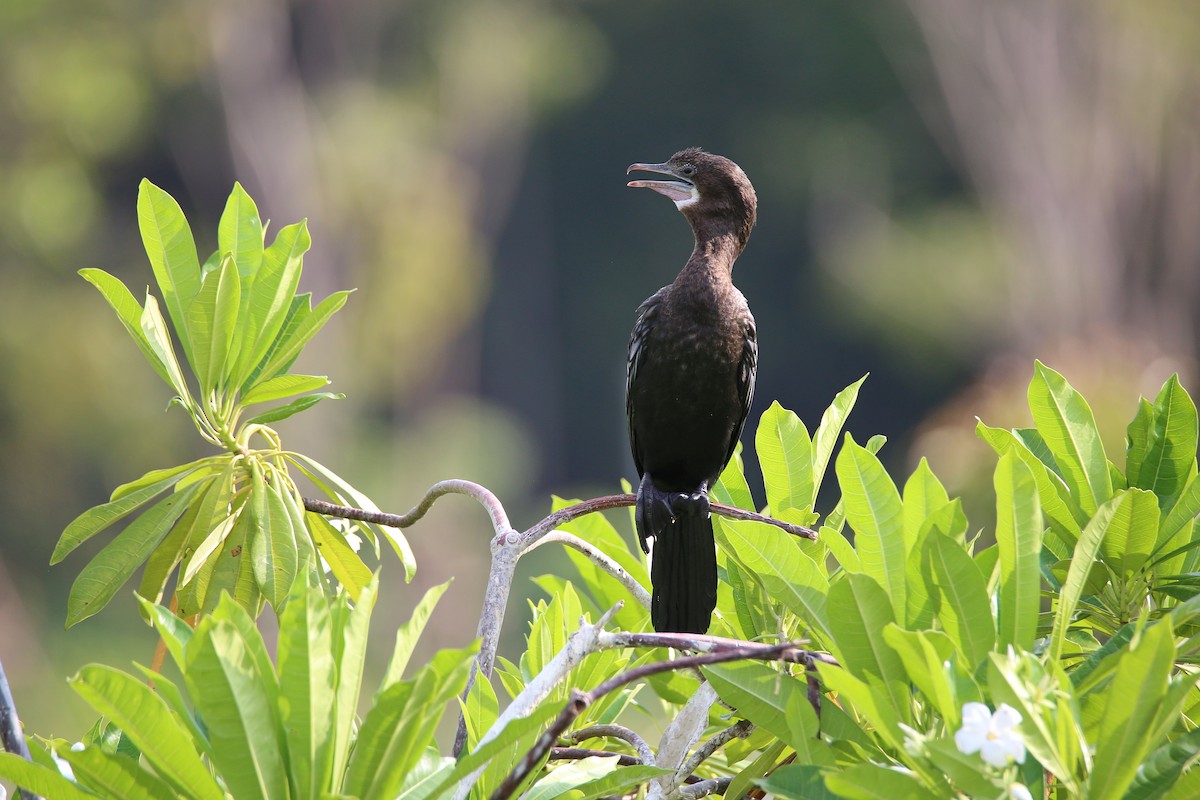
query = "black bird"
{"x": 692, "y": 360}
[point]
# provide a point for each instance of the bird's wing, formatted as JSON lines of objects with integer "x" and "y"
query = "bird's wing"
{"x": 747, "y": 369}
{"x": 647, "y": 317}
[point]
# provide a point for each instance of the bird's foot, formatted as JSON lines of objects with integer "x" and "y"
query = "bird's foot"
{"x": 694, "y": 504}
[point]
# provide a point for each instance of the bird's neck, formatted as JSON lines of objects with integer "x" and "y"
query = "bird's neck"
{"x": 712, "y": 259}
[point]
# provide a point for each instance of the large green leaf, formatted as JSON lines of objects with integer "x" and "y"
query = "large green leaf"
{"x": 149, "y": 723}
{"x": 224, "y": 322}
{"x": 307, "y": 685}
{"x": 111, "y": 567}
{"x": 875, "y": 512}
{"x": 284, "y": 386}
{"x": 240, "y": 232}
{"x": 1062, "y": 510}
{"x": 1170, "y": 445}
{"x": 965, "y": 610}
{"x": 926, "y": 657}
{"x": 923, "y": 494}
{"x": 1082, "y": 560}
{"x": 293, "y": 340}
{"x": 863, "y": 614}
{"x": 343, "y": 561}
{"x": 96, "y": 519}
{"x": 172, "y": 252}
{"x": 1133, "y": 697}
{"x": 1131, "y": 533}
{"x": 350, "y": 625}
{"x": 154, "y": 328}
{"x": 830, "y": 429}
{"x": 1019, "y": 542}
{"x": 40, "y": 780}
{"x": 1065, "y": 421}
{"x": 234, "y": 698}
{"x": 784, "y": 452}
{"x": 797, "y": 782}
{"x": 764, "y": 696}
{"x": 401, "y": 723}
{"x": 272, "y": 540}
{"x": 877, "y": 782}
{"x": 408, "y": 634}
{"x": 271, "y": 296}
{"x": 116, "y": 775}
{"x": 129, "y": 311}
{"x": 788, "y": 574}
{"x": 1162, "y": 768}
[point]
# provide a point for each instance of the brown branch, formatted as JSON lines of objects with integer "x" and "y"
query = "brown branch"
{"x": 486, "y": 499}
{"x": 580, "y": 701}
{"x": 614, "y": 732}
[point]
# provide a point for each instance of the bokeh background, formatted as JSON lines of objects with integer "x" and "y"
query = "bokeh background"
{"x": 947, "y": 189}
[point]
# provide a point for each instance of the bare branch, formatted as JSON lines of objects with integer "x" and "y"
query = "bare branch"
{"x": 485, "y": 497}
{"x": 11, "y": 738}
{"x": 704, "y": 788}
{"x": 614, "y": 732}
{"x": 577, "y": 753}
{"x": 600, "y": 559}
{"x": 678, "y": 737}
{"x": 739, "y": 730}
{"x": 580, "y": 701}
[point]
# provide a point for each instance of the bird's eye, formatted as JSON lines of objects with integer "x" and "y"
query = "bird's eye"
{"x": 688, "y": 169}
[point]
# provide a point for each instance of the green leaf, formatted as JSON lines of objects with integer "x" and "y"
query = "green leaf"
{"x": 874, "y": 510}
{"x": 923, "y": 494}
{"x": 224, "y": 322}
{"x": 830, "y": 430}
{"x": 797, "y": 782}
{"x": 343, "y": 561}
{"x": 1170, "y": 445}
{"x": 410, "y": 632}
{"x": 272, "y": 540}
{"x": 1019, "y": 542}
{"x": 926, "y": 655}
{"x": 154, "y": 327}
{"x": 764, "y": 696}
{"x": 284, "y": 386}
{"x": 96, "y": 519}
{"x": 1133, "y": 696}
{"x": 1081, "y": 565}
{"x": 785, "y": 456}
{"x": 402, "y": 722}
{"x": 294, "y": 407}
{"x": 240, "y": 232}
{"x": 1163, "y": 767}
{"x": 116, "y": 775}
{"x": 235, "y": 700}
{"x": 788, "y": 574}
{"x": 1132, "y": 532}
{"x": 172, "y": 252}
{"x": 350, "y": 648}
{"x": 271, "y": 297}
{"x": 592, "y": 777}
{"x": 965, "y": 611}
{"x": 129, "y": 311}
{"x": 875, "y": 782}
{"x": 1061, "y": 509}
{"x": 294, "y": 341}
{"x": 731, "y": 487}
{"x": 307, "y": 686}
{"x": 863, "y": 614}
{"x": 40, "y": 780}
{"x": 112, "y": 566}
{"x": 148, "y": 721}
{"x": 1065, "y": 421}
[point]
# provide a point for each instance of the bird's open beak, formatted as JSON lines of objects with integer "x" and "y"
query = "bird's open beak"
{"x": 680, "y": 190}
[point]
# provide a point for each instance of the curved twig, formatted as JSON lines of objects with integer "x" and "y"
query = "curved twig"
{"x": 600, "y": 559}
{"x": 739, "y": 730}
{"x": 454, "y": 486}
{"x": 614, "y": 732}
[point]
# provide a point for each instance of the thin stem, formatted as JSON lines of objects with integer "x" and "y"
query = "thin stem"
{"x": 488, "y": 500}
{"x": 614, "y": 732}
{"x": 739, "y": 730}
{"x": 10, "y": 729}
{"x": 600, "y": 559}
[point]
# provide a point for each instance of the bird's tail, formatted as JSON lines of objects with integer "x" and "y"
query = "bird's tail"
{"x": 683, "y": 564}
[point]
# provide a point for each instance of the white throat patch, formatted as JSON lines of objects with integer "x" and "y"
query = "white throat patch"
{"x": 691, "y": 199}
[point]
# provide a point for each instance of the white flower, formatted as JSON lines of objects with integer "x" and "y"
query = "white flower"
{"x": 1017, "y": 791}
{"x": 993, "y": 736}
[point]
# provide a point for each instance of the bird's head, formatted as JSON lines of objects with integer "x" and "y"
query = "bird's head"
{"x": 711, "y": 191}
